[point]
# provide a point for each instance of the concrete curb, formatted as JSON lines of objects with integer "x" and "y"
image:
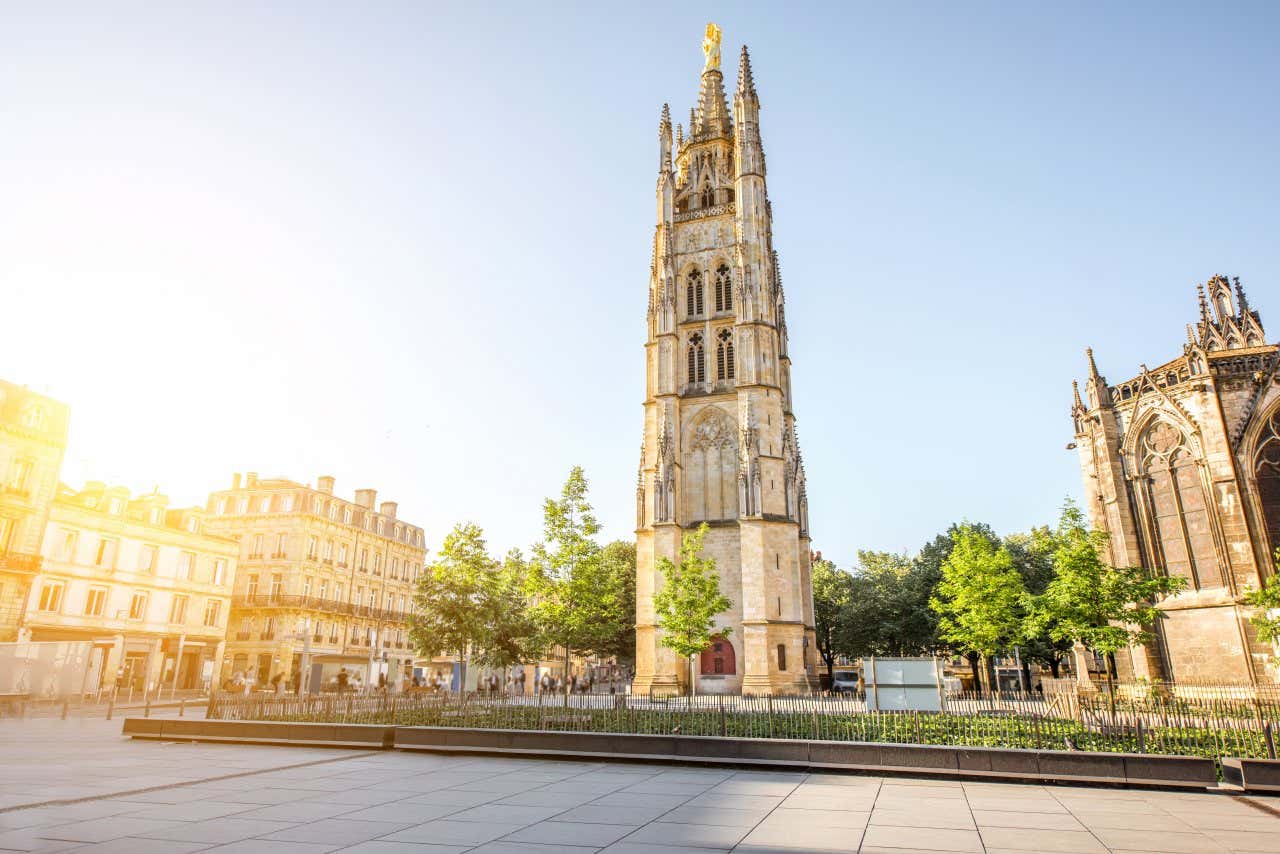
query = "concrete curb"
{"x": 990, "y": 763}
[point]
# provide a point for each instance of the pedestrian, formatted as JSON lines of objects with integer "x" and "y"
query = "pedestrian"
{"x": 343, "y": 679}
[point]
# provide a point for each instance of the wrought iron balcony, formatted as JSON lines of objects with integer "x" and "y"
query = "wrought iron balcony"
{"x": 20, "y": 562}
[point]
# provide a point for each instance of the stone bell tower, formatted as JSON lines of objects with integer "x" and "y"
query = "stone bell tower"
{"x": 719, "y": 432}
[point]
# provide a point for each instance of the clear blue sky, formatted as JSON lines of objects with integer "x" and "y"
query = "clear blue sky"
{"x": 408, "y": 244}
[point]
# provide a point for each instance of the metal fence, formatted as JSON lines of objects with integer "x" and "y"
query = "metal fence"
{"x": 1212, "y": 725}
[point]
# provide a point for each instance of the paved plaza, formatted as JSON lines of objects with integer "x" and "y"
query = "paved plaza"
{"x": 141, "y": 797}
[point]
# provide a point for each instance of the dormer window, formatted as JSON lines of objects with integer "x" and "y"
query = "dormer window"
{"x": 34, "y": 418}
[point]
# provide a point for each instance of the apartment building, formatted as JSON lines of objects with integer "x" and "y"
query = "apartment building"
{"x": 146, "y": 584}
{"x": 33, "y": 439}
{"x": 321, "y": 578}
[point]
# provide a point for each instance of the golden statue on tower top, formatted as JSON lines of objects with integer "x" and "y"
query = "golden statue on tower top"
{"x": 711, "y": 48}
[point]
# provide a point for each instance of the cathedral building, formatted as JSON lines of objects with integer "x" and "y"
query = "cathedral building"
{"x": 719, "y": 431}
{"x": 1181, "y": 468}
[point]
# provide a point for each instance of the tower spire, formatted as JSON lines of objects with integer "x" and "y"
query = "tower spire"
{"x": 746, "y": 85}
{"x": 664, "y": 140}
{"x": 1075, "y": 392}
{"x": 1093, "y": 366}
{"x": 1096, "y": 386}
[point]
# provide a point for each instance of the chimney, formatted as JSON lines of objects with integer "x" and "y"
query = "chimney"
{"x": 388, "y": 509}
{"x": 251, "y": 479}
{"x": 324, "y": 483}
{"x": 366, "y": 498}
{"x": 235, "y": 480}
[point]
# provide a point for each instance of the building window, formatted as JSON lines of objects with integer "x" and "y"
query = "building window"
{"x": 212, "y": 611}
{"x": 342, "y": 555}
{"x": 333, "y": 511}
{"x": 286, "y": 504}
{"x": 257, "y": 546}
{"x": 328, "y": 551}
{"x": 20, "y": 476}
{"x": 269, "y": 629}
{"x": 251, "y": 586}
{"x": 178, "y": 611}
{"x": 364, "y": 560}
{"x": 147, "y": 558}
{"x": 324, "y": 589}
{"x": 96, "y": 602}
{"x": 381, "y": 527}
{"x": 693, "y": 295}
{"x": 34, "y": 418}
{"x": 68, "y": 549}
{"x": 138, "y": 606}
{"x": 306, "y": 586}
{"x": 313, "y": 545}
{"x": 264, "y": 504}
{"x": 724, "y": 355}
{"x": 1184, "y": 540}
{"x": 193, "y": 524}
{"x": 724, "y": 289}
{"x": 106, "y": 556}
{"x": 337, "y": 592}
{"x": 277, "y": 585}
{"x": 782, "y": 656}
{"x": 221, "y": 507}
{"x": 242, "y": 506}
{"x": 219, "y": 572}
{"x": 157, "y": 516}
{"x": 186, "y": 566}
{"x": 346, "y": 516}
{"x": 51, "y": 596}
{"x": 281, "y": 539}
{"x": 697, "y": 359}
{"x": 1266, "y": 462}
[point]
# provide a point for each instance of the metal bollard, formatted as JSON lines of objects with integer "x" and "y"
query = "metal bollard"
{"x": 111, "y": 705}
{"x": 65, "y": 705}
{"x": 182, "y": 707}
{"x": 146, "y": 710}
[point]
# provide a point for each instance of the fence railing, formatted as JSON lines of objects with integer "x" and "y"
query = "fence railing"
{"x": 1085, "y": 722}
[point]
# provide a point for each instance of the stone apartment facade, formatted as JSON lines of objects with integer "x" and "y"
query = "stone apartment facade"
{"x": 320, "y": 578}
{"x": 145, "y": 584}
{"x": 719, "y": 440}
{"x": 1181, "y": 468}
{"x": 33, "y": 440}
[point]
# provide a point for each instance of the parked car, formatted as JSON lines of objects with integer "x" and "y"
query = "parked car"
{"x": 845, "y": 682}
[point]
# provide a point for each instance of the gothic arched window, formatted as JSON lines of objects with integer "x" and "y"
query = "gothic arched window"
{"x": 1180, "y": 517}
{"x": 724, "y": 355}
{"x": 1266, "y": 469}
{"x": 693, "y": 295}
{"x": 724, "y": 289}
{"x": 697, "y": 359}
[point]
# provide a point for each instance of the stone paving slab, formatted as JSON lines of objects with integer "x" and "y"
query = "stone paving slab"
{"x": 256, "y": 799}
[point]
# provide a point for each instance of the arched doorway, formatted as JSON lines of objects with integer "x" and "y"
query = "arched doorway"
{"x": 719, "y": 659}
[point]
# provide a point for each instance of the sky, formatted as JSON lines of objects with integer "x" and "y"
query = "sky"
{"x": 407, "y": 244}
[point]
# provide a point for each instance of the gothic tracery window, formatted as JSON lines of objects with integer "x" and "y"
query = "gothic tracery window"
{"x": 1266, "y": 469}
{"x": 724, "y": 355}
{"x": 693, "y": 295}
{"x": 724, "y": 289}
{"x": 1180, "y": 516}
{"x": 697, "y": 359}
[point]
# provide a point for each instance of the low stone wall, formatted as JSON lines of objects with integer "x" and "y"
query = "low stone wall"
{"x": 956, "y": 762}
{"x": 1252, "y": 775}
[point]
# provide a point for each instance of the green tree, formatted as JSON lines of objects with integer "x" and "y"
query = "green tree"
{"x": 1104, "y": 607}
{"x": 979, "y": 599}
{"x": 689, "y": 601}
{"x": 888, "y": 611}
{"x": 619, "y": 559}
{"x": 578, "y": 600}
{"x": 1033, "y": 556}
{"x": 832, "y": 595}
{"x": 465, "y": 603}
{"x": 1267, "y": 600}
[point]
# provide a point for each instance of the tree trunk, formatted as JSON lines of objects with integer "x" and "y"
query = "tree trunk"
{"x": 1026, "y": 676}
{"x": 977, "y": 674}
{"x": 568, "y": 656}
{"x": 1055, "y": 664}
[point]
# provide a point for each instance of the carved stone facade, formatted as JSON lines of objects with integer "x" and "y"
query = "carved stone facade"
{"x": 1182, "y": 468}
{"x": 719, "y": 434}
